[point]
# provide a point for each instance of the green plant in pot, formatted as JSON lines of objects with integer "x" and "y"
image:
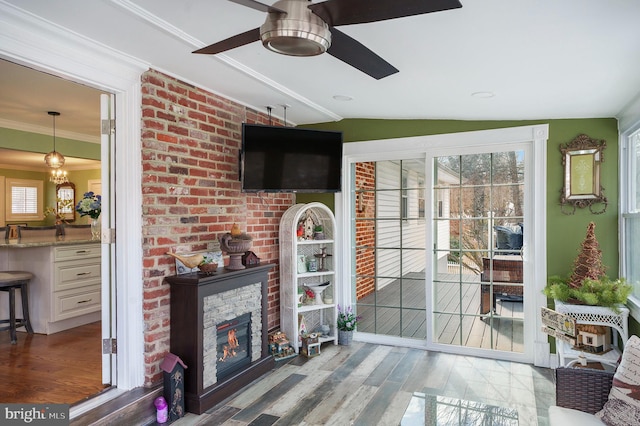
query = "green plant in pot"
{"x": 588, "y": 284}
{"x": 318, "y": 232}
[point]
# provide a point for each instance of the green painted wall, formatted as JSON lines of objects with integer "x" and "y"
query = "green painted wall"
{"x": 35, "y": 142}
{"x": 564, "y": 233}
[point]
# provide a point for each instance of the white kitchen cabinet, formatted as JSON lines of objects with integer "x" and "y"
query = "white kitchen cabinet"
{"x": 66, "y": 289}
{"x": 295, "y": 274}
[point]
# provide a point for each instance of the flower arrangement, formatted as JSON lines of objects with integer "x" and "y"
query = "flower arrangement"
{"x": 347, "y": 320}
{"x": 90, "y": 205}
{"x": 63, "y": 205}
{"x": 310, "y": 294}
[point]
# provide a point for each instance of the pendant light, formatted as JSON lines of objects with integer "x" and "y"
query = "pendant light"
{"x": 54, "y": 159}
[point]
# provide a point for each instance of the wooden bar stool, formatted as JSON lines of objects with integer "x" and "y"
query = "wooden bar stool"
{"x": 10, "y": 281}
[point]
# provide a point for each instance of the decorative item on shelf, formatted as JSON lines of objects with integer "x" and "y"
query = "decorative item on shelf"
{"x": 324, "y": 330}
{"x": 312, "y": 265}
{"x": 250, "y": 259}
{"x": 91, "y": 205}
{"x": 581, "y": 159}
{"x": 327, "y": 296}
{"x": 208, "y": 268}
{"x": 322, "y": 256}
{"x": 317, "y": 291}
{"x": 302, "y": 264}
{"x": 302, "y": 327}
{"x": 588, "y": 283}
{"x": 309, "y": 297}
{"x": 593, "y": 339}
{"x": 318, "y": 233}
{"x": 300, "y": 231}
{"x": 235, "y": 244}
{"x": 191, "y": 262}
{"x": 309, "y": 225}
{"x": 300, "y": 297}
{"x": 347, "y": 322}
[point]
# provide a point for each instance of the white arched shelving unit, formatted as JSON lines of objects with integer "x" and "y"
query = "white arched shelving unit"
{"x": 294, "y": 278}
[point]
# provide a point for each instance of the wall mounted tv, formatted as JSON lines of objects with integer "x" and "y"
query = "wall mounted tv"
{"x": 290, "y": 159}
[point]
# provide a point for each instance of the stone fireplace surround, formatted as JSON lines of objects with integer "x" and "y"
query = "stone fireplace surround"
{"x": 226, "y": 306}
{"x": 198, "y": 303}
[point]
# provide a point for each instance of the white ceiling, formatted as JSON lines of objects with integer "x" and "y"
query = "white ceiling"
{"x": 540, "y": 58}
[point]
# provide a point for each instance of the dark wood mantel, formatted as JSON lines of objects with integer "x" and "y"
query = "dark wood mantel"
{"x": 187, "y": 311}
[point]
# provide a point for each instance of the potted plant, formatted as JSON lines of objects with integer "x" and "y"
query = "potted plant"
{"x": 347, "y": 322}
{"x": 318, "y": 232}
{"x": 588, "y": 284}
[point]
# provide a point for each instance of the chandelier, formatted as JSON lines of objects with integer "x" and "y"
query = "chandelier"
{"x": 58, "y": 177}
{"x": 54, "y": 159}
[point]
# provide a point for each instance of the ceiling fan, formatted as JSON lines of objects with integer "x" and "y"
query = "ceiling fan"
{"x": 302, "y": 28}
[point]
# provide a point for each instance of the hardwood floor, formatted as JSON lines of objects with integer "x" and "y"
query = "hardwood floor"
{"x": 366, "y": 384}
{"x": 61, "y": 368}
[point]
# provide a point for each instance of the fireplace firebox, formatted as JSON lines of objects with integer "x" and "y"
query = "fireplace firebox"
{"x": 233, "y": 345}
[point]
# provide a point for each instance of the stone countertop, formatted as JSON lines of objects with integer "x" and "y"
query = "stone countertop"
{"x": 45, "y": 242}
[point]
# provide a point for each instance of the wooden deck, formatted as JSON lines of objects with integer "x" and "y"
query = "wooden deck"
{"x": 458, "y": 320}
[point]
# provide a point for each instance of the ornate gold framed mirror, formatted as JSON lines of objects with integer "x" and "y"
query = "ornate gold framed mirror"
{"x": 66, "y": 201}
{"x": 581, "y": 159}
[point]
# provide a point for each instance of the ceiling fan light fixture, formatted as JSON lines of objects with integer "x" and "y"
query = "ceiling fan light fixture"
{"x": 54, "y": 159}
{"x": 299, "y": 32}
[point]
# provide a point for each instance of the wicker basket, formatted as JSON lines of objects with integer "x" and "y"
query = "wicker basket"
{"x": 583, "y": 389}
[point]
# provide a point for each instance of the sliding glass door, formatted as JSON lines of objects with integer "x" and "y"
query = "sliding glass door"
{"x": 441, "y": 231}
{"x": 477, "y": 262}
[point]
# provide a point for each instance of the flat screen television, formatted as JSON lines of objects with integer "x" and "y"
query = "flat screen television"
{"x": 290, "y": 159}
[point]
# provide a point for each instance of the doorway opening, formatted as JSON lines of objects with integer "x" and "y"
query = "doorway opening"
{"x": 67, "y": 346}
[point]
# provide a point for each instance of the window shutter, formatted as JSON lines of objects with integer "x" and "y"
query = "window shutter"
{"x": 24, "y": 200}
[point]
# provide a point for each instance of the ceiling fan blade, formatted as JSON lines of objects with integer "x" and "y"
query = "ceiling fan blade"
{"x": 258, "y": 6}
{"x": 345, "y": 12}
{"x": 231, "y": 43}
{"x": 354, "y": 53}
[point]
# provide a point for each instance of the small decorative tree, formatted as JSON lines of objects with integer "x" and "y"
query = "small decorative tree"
{"x": 588, "y": 264}
{"x": 588, "y": 283}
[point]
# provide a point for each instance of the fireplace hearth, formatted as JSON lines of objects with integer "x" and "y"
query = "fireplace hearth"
{"x": 219, "y": 329}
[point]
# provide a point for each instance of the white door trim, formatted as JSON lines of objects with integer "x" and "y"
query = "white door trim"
{"x": 28, "y": 40}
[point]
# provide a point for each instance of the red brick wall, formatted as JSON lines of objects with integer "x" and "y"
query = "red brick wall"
{"x": 365, "y": 229}
{"x": 191, "y": 195}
